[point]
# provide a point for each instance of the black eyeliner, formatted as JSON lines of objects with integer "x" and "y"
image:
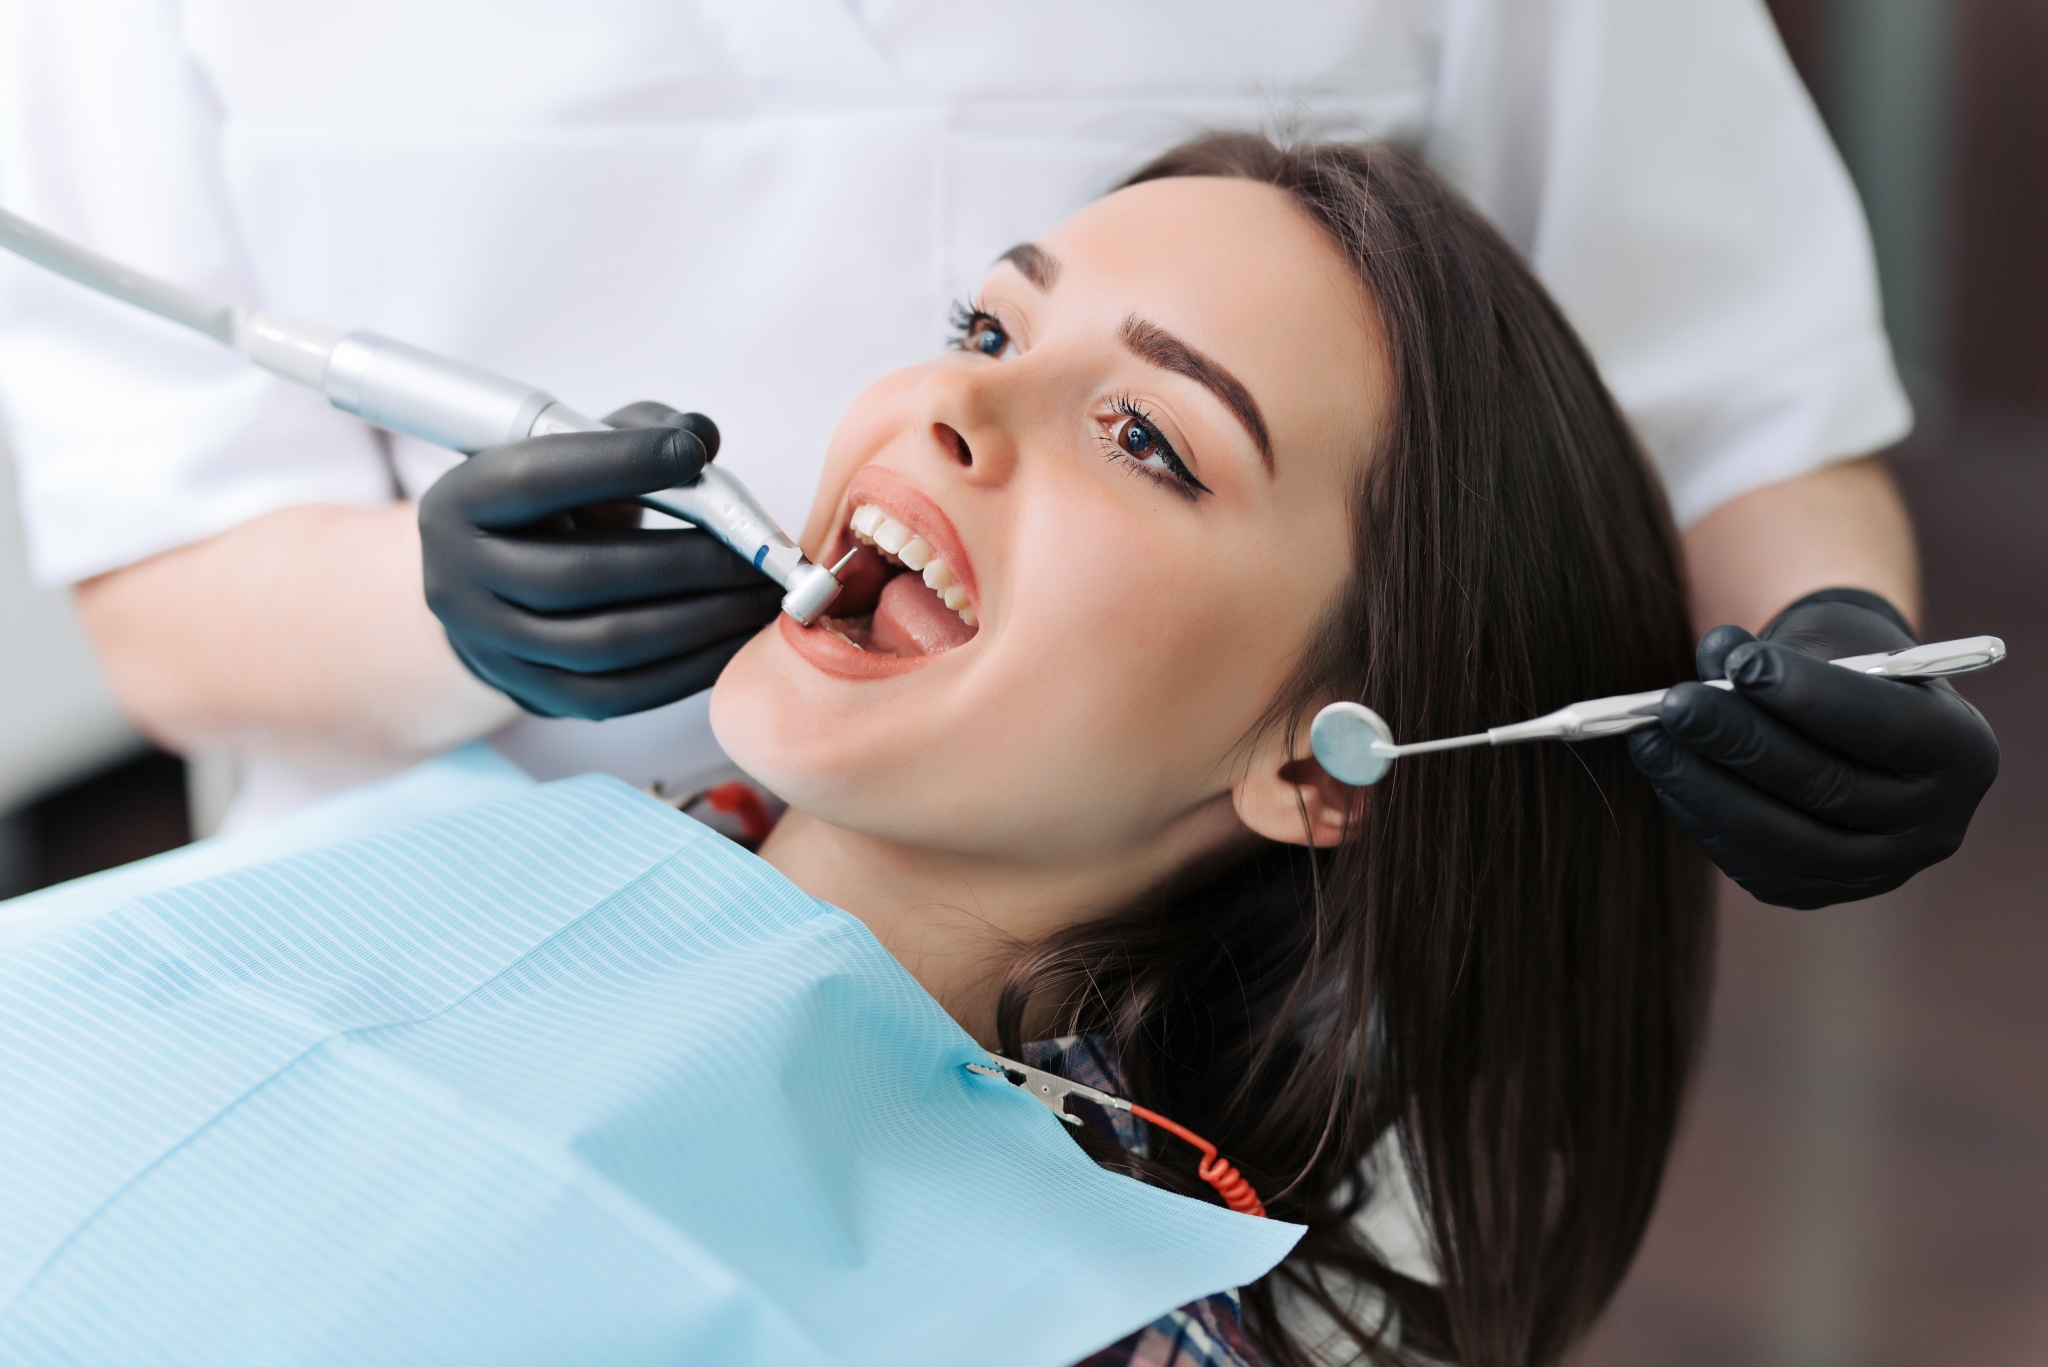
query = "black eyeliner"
{"x": 1177, "y": 476}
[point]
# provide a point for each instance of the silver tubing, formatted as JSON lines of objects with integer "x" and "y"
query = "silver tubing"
{"x": 214, "y": 317}
{"x": 407, "y": 389}
{"x": 411, "y": 390}
{"x": 291, "y": 347}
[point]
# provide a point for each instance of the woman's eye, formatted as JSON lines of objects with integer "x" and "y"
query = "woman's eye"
{"x": 979, "y": 330}
{"x": 989, "y": 339}
{"x": 1135, "y": 437}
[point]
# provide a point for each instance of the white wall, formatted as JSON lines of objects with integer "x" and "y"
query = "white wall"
{"x": 57, "y": 722}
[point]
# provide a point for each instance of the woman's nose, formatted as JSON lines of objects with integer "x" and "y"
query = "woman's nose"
{"x": 970, "y": 417}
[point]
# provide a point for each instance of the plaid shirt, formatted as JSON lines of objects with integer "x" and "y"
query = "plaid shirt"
{"x": 1204, "y": 1333}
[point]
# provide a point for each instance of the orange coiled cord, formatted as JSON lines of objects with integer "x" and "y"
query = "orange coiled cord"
{"x": 1213, "y": 1169}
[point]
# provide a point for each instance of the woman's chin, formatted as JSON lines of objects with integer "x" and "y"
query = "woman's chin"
{"x": 757, "y": 710}
{"x": 842, "y": 734}
{"x": 787, "y": 710}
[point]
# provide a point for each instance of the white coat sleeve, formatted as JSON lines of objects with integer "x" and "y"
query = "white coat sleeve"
{"x": 131, "y": 435}
{"x": 1668, "y": 177}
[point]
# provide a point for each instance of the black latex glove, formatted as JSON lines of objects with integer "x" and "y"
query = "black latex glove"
{"x": 1811, "y": 785}
{"x": 552, "y": 592}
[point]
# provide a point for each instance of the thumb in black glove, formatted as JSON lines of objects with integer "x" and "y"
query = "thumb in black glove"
{"x": 551, "y": 592}
{"x": 1811, "y": 785}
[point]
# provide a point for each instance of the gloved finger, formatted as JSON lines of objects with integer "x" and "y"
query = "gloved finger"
{"x": 1741, "y": 737}
{"x": 618, "y": 513}
{"x": 626, "y": 637}
{"x": 1890, "y": 722}
{"x": 594, "y": 697}
{"x": 1781, "y": 854}
{"x": 616, "y": 516}
{"x": 1781, "y": 887}
{"x": 647, "y": 413}
{"x": 1712, "y": 655}
{"x": 1828, "y": 630}
{"x": 519, "y": 484}
{"x": 569, "y": 572}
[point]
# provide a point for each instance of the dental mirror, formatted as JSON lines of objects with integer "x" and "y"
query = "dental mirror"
{"x": 1356, "y": 746}
{"x": 1343, "y": 736}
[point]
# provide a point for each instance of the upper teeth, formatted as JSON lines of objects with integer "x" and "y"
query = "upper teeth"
{"x": 873, "y": 527}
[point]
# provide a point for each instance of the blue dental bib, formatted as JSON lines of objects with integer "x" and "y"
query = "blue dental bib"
{"x": 561, "y": 1077}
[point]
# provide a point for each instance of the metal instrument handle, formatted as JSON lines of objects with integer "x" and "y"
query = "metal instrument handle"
{"x": 1627, "y": 712}
{"x": 1935, "y": 660}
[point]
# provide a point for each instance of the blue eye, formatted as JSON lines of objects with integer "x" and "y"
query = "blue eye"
{"x": 976, "y": 329}
{"x": 1139, "y": 442}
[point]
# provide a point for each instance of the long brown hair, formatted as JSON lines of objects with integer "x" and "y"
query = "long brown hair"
{"x": 1508, "y": 962}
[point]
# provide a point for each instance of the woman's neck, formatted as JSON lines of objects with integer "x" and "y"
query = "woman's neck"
{"x": 953, "y": 919}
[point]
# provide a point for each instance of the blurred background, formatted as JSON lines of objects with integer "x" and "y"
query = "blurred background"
{"x": 1863, "y": 1175}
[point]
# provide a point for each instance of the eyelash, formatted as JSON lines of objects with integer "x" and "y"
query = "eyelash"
{"x": 1176, "y": 476}
{"x": 967, "y": 321}
{"x": 970, "y": 320}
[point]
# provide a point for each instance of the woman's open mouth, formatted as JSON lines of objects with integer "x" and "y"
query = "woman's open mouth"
{"x": 902, "y": 598}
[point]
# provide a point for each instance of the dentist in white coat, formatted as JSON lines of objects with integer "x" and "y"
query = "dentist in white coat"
{"x": 750, "y": 208}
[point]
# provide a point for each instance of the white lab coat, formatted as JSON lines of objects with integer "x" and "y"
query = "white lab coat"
{"x": 753, "y": 207}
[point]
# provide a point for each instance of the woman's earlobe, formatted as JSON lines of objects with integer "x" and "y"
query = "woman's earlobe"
{"x": 1296, "y": 803}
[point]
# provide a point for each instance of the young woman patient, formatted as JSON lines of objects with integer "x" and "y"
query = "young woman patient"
{"x": 1261, "y": 430}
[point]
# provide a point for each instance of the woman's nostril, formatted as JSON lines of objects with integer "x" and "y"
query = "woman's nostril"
{"x": 962, "y": 452}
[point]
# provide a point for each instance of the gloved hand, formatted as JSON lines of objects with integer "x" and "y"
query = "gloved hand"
{"x": 552, "y": 592}
{"x": 1811, "y": 785}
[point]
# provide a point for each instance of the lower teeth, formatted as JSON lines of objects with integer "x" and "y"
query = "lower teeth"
{"x": 845, "y": 627}
{"x": 857, "y": 632}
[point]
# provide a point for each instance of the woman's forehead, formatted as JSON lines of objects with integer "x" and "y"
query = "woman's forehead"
{"x": 1235, "y": 236}
{"x": 1235, "y": 269}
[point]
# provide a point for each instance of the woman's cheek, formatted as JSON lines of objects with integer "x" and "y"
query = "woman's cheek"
{"x": 1116, "y": 627}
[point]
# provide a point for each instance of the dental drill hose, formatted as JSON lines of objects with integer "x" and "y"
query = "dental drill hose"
{"x": 449, "y": 403}
{"x": 407, "y": 389}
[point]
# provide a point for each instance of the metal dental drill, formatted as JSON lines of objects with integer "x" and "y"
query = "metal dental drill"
{"x": 406, "y": 389}
{"x": 1355, "y": 745}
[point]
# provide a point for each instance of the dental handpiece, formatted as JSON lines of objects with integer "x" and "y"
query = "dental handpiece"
{"x": 450, "y": 403}
{"x": 1355, "y": 745}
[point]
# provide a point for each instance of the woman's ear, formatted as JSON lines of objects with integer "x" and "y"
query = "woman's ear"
{"x": 1278, "y": 789}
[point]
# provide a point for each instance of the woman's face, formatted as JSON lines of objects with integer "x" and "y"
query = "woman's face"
{"x": 1136, "y": 472}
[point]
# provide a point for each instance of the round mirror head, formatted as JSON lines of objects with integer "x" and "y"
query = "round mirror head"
{"x": 1342, "y": 735}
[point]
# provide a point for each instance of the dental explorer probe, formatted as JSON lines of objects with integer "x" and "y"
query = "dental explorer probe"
{"x": 1355, "y": 745}
{"x": 406, "y": 389}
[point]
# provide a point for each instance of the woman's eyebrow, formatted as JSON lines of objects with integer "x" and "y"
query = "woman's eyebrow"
{"x": 1035, "y": 264}
{"x": 1156, "y": 346}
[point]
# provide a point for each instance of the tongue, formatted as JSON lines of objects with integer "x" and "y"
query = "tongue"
{"x": 912, "y": 620}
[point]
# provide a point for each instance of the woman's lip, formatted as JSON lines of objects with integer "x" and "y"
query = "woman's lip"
{"x": 915, "y": 509}
{"x": 895, "y": 495}
{"x": 836, "y": 655}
